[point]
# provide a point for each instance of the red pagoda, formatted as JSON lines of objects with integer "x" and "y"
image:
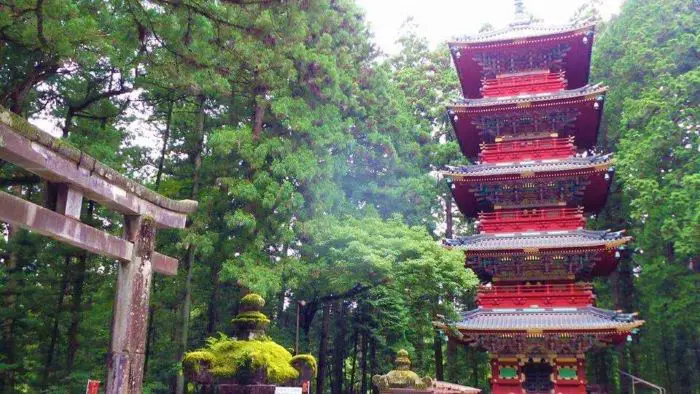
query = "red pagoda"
{"x": 529, "y": 120}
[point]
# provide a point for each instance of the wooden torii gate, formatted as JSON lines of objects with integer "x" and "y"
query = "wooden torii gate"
{"x": 72, "y": 175}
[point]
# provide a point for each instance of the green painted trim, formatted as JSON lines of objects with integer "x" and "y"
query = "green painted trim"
{"x": 507, "y": 372}
{"x": 567, "y": 373}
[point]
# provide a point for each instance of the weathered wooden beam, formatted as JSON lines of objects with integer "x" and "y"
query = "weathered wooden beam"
{"x": 44, "y": 162}
{"x": 164, "y": 265}
{"x": 129, "y": 327}
{"x": 30, "y": 216}
{"x": 69, "y": 201}
{"x": 25, "y": 214}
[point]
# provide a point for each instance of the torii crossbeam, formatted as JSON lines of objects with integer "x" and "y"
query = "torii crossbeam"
{"x": 71, "y": 174}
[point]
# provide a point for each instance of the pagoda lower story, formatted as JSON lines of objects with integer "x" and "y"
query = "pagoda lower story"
{"x": 529, "y": 121}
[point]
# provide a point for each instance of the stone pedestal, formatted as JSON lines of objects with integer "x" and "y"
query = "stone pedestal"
{"x": 246, "y": 389}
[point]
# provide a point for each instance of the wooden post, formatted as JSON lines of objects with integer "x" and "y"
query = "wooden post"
{"x": 130, "y": 321}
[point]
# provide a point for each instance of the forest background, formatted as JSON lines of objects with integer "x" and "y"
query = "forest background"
{"x": 313, "y": 159}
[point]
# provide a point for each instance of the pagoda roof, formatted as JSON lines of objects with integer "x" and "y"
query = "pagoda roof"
{"x": 588, "y": 318}
{"x": 571, "y": 45}
{"x": 475, "y": 120}
{"x": 539, "y": 240}
{"x": 522, "y": 33}
{"x": 529, "y": 166}
{"x": 531, "y": 98}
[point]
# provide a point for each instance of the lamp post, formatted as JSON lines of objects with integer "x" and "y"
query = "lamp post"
{"x": 296, "y": 342}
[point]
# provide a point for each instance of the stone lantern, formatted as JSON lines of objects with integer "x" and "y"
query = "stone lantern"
{"x": 250, "y": 362}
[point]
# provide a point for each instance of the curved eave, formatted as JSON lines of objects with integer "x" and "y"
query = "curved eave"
{"x": 492, "y": 104}
{"x": 520, "y": 34}
{"x": 612, "y": 329}
{"x": 536, "y": 331}
{"x": 537, "y": 170}
{"x": 564, "y": 248}
{"x": 576, "y": 62}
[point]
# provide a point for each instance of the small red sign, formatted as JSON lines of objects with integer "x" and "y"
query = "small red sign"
{"x": 93, "y": 387}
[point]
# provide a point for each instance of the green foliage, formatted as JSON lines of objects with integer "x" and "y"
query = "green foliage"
{"x": 648, "y": 57}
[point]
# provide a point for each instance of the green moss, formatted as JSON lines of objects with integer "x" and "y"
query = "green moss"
{"x": 241, "y": 360}
{"x": 252, "y": 315}
{"x": 305, "y": 359}
{"x": 250, "y": 320}
{"x": 405, "y": 379}
{"x": 193, "y": 360}
{"x": 252, "y": 302}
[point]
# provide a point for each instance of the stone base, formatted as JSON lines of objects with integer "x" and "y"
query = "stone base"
{"x": 246, "y": 389}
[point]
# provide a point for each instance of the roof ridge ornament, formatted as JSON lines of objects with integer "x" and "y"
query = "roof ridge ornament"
{"x": 521, "y": 18}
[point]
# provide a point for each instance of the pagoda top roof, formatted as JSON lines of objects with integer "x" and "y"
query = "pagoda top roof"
{"x": 538, "y": 240}
{"x": 547, "y": 319}
{"x": 522, "y": 32}
{"x": 529, "y": 166}
{"x": 533, "y": 99}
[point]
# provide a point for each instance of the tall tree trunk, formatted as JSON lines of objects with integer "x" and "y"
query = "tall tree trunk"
{"x": 151, "y": 335}
{"x": 54, "y": 330}
{"x": 452, "y": 372}
{"x": 339, "y": 348}
{"x": 189, "y": 259}
{"x": 259, "y": 112}
{"x": 354, "y": 362}
{"x": 373, "y": 361}
{"x": 77, "y": 297}
{"x": 76, "y": 306}
{"x": 7, "y": 345}
{"x": 212, "y": 312}
{"x": 437, "y": 347}
{"x": 68, "y": 123}
{"x": 323, "y": 350}
{"x": 363, "y": 365}
{"x": 164, "y": 144}
{"x": 475, "y": 366}
{"x": 449, "y": 226}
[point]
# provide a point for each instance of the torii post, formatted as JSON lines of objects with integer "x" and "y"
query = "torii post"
{"x": 71, "y": 174}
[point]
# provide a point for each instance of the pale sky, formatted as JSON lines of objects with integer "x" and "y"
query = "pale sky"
{"x": 440, "y": 20}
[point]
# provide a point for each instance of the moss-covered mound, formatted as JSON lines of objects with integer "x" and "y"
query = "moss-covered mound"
{"x": 249, "y": 358}
{"x": 304, "y": 360}
{"x": 245, "y": 362}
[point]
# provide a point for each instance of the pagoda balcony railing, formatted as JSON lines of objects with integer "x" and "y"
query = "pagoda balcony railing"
{"x": 549, "y": 295}
{"x": 523, "y": 83}
{"x": 545, "y": 219}
{"x": 535, "y": 149}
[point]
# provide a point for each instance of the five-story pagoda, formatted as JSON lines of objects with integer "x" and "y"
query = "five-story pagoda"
{"x": 530, "y": 120}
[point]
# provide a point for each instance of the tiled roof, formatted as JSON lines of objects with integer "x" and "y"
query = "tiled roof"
{"x": 572, "y": 163}
{"x": 537, "y": 240}
{"x": 597, "y": 89}
{"x": 515, "y": 319}
{"x": 519, "y": 32}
